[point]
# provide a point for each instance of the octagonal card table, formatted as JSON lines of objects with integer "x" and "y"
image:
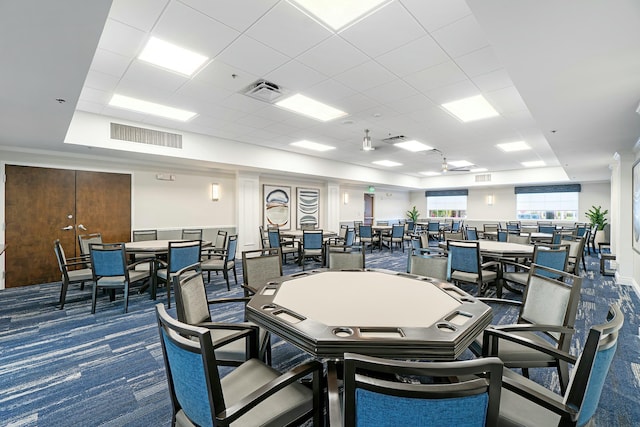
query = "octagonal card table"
{"x": 374, "y": 312}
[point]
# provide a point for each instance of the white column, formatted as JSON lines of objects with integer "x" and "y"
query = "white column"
{"x": 621, "y": 216}
{"x": 333, "y": 207}
{"x": 249, "y": 211}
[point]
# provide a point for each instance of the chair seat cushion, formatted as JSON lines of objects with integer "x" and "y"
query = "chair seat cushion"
{"x": 487, "y": 276}
{"x": 137, "y": 275}
{"x": 280, "y": 409}
{"x": 313, "y": 252}
{"x": 518, "y": 411}
{"x": 519, "y": 277}
{"x": 516, "y": 355}
{"x": 216, "y": 264}
{"x": 236, "y": 350}
{"x": 80, "y": 275}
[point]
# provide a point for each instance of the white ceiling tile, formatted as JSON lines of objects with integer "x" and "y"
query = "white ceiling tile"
{"x": 454, "y": 92}
{"x": 190, "y": 29}
{"x": 206, "y": 93}
{"x": 141, "y": 14}
{"x": 151, "y": 75}
{"x": 111, "y": 63}
{"x": 122, "y": 39}
{"x": 461, "y": 37}
{"x": 330, "y": 92}
{"x": 391, "y": 91}
{"x": 101, "y": 81}
{"x": 90, "y": 107}
{"x": 238, "y": 14}
{"x": 506, "y": 100}
{"x": 287, "y": 30}
{"x": 404, "y": 60}
{"x": 245, "y": 103}
{"x": 388, "y": 28}
{"x": 295, "y": 76}
{"x": 95, "y": 96}
{"x": 365, "y": 76}
{"x": 481, "y": 61}
{"x": 434, "y": 14}
{"x": 444, "y": 74}
{"x": 411, "y": 104}
{"x": 250, "y": 55}
{"x": 223, "y": 75}
{"x": 333, "y": 56}
{"x": 493, "y": 81}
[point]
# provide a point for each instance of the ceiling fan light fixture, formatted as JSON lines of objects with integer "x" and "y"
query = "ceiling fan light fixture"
{"x": 366, "y": 142}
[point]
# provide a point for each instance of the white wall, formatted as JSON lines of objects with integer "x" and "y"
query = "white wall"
{"x": 388, "y": 205}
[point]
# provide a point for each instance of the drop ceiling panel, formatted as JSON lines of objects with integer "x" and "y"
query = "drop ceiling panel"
{"x": 247, "y": 54}
{"x": 220, "y": 74}
{"x": 444, "y": 74}
{"x": 481, "y": 61}
{"x": 365, "y": 76}
{"x": 413, "y": 57}
{"x": 435, "y": 14}
{"x": 494, "y": 80}
{"x": 238, "y": 14}
{"x": 295, "y": 77}
{"x": 150, "y": 75}
{"x": 122, "y": 39}
{"x": 453, "y": 92}
{"x": 332, "y": 56}
{"x": 461, "y": 37}
{"x": 101, "y": 81}
{"x": 111, "y": 63}
{"x": 140, "y": 14}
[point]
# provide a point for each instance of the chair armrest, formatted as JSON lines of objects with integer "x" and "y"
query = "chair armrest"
{"x": 248, "y": 331}
{"x": 234, "y": 412}
{"x": 228, "y": 300}
{"x": 524, "y": 327}
{"x": 517, "y": 265}
{"x": 537, "y": 394}
{"x": 78, "y": 259}
{"x": 487, "y": 264}
{"x": 488, "y": 300}
{"x": 76, "y": 263}
{"x": 133, "y": 265}
{"x": 334, "y": 407}
{"x": 492, "y": 336}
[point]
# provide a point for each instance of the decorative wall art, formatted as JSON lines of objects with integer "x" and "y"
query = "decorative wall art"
{"x": 308, "y": 207}
{"x": 635, "y": 176}
{"x": 277, "y": 206}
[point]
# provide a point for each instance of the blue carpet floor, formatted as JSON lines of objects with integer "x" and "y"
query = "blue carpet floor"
{"x": 71, "y": 368}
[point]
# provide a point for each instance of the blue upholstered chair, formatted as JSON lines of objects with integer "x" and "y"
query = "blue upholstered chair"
{"x": 433, "y": 230}
{"x": 513, "y": 226}
{"x": 179, "y": 256}
{"x": 525, "y": 403}
{"x": 502, "y": 235}
{"x": 456, "y": 226}
{"x": 396, "y": 237}
{"x": 367, "y": 237}
{"x": 110, "y": 271}
{"x": 286, "y": 247}
{"x": 312, "y": 246}
{"x": 374, "y": 394}
{"x": 552, "y": 256}
{"x": 472, "y": 233}
{"x": 251, "y": 394}
{"x": 465, "y": 265}
{"x": 546, "y": 228}
{"x": 545, "y": 323}
{"x": 221, "y": 260}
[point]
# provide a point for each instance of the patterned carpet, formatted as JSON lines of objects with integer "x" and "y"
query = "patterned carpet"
{"x": 71, "y": 368}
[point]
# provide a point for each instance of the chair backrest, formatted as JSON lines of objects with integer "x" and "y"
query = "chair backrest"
{"x": 411, "y": 226}
{"x": 397, "y": 231}
{"x": 433, "y": 226}
{"x": 108, "y": 260}
{"x": 576, "y": 248}
{"x": 342, "y": 233}
{"x": 274, "y": 238}
{"x": 490, "y": 227}
{"x": 424, "y": 240}
{"x": 472, "y": 233}
{"x": 144, "y": 235}
{"x": 221, "y": 240}
{"x": 590, "y": 372}
{"x": 84, "y": 240}
{"x": 513, "y": 225}
{"x": 452, "y": 235}
{"x": 356, "y": 226}
{"x": 544, "y": 228}
{"x": 259, "y": 266}
{"x": 382, "y": 222}
{"x": 372, "y": 395}
{"x": 366, "y": 231}
{"x": 312, "y": 239}
{"x": 581, "y": 229}
{"x": 551, "y": 300}
{"x": 463, "y": 255}
{"x": 517, "y": 238}
{"x": 308, "y": 226}
{"x": 62, "y": 259}
{"x": 429, "y": 265}
{"x": 339, "y": 260}
{"x": 191, "y": 296}
{"x": 192, "y": 234}
{"x": 502, "y": 235}
{"x": 552, "y": 256}
{"x": 456, "y": 226}
{"x": 183, "y": 254}
{"x": 232, "y": 247}
{"x": 191, "y": 369}
{"x": 264, "y": 237}
{"x": 350, "y": 237}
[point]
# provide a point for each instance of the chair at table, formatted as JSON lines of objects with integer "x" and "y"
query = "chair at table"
{"x": 396, "y": 237}
{"x": 428, "y": 265}
{"x": 144, "y": 235}
{"x": 191, "y": 234}
{"x": 345, "y": 245}
{"x": 465, "y": 265}
{"x": 224, "y": 261}
{"x": 526, "y": 403}
{"x": 552, "y": 256}
{"x": 258, "y": 267}
{"x": 73, "y": 271}
{"x": 252, "y": 394}
{"x": 520, "y": 239}
{"x": 472, "y": 233}
{"x": 456, "y": 226}
{"x": 110, "y": 271}
{"x": 193, "y": 307}
{"x": 85, "y": 240}
{"x": 345, "y": 260}
{"x": 375, "y": 395}
{"x": 286, "y": 247}
{"x": 356, "y": 227}
{"x": 576, "y": 253}
{"x": 452, "y": 235}
{"x": 513, "y": 226}
{"x": 340, "y": 238}
{"x": 264, "y": 237}
{"x": 546, "y": 319}
{"x": 433, "y": 230}
{"x": 367, "y": 237}
{"x": 312, "y": 246}
{"x": 501, "y": 235}
{"x": 546, "y": 228}
{"x": 308, "y": 226}
{"x": 488, "y": 230}
{"x": 180, "y": 255}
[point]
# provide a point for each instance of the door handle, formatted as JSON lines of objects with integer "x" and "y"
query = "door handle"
{"x": 82, "y": 227}
{"x": 67, "y": 228}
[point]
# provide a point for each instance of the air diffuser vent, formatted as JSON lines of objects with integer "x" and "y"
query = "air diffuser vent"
{"x": 394, "y": 139}
{"x": 485, "y": 177}
{"x": 263, "y": 91}
{"x": 145, "y": 136}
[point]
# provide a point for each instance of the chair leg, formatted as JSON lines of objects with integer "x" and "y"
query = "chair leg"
{"x": 63, "y": 293}
{"x": 126, "y": 297}
{"x": 94, "y": 297}
{"x": 235, "y": 276}
{"x": 225, "y": 273}
{"x": 168, "y": 290}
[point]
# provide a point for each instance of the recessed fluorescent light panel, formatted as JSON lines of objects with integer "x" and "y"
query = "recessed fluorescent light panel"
{"x": 460, "y": 163}
{"x": 534, "y": 164}
{"x": 514, "y": 146}
{"x": 147, "y": 107}
{"x": 172, "y": 57}
{"x": 310, "y": 107}
{"x": 413, "y": 146}
{"x": 338, "y": 14}
{"x": 310, "y": 145}
{"x": 387, "y": 163}
{"x": 470, "y": 109}
{"x": 429, "y": 173}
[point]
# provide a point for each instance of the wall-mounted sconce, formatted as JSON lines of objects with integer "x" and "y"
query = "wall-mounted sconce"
{"x": 215, "y": 192}
{"x": 490, "y": 200}
{"x": 345, "y": 198}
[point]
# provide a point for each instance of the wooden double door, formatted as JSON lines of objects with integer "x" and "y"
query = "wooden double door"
{"x": 43, "y": 204}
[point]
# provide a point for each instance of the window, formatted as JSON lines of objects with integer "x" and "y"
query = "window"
{"x": 447, "y": 204}
{"x": 548, "y": 205}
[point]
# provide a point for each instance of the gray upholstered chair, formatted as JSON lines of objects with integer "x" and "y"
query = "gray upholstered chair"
{"x": 576, "y": 252}
{"x": 526, "y": 403}
{"x": 221, "y": 260}
{"x": 110, "y": 271}
{"x": 84, "y": 241}
{"x": 258, "y": 267}
{"x": 375, "y": 395}
{"x": 251, "y": 394}
{"x": 144, "y": 235}
{"x": 339, "y": 260}
{"x": 465, "y": 265}
{"x": 180, "y": 255}
{"x": 428, "y": 265}
{"x": 546, "y": 318}
{"x": 191, "y": 234}
{"x": 73, "y": 270}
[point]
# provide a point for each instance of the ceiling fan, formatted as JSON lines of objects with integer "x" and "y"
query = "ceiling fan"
{"x": 445, "y": 167}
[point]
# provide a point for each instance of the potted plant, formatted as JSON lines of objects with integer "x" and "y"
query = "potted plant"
{"x": 413, "y": 214}
{"x": 597, "y": 216}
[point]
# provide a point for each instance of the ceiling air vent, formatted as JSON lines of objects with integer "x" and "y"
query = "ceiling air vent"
{"x": 485, "y": 177}
{"x": 263, "y": 91}
{"x": 394, "y": 139}
{"x": 145, "y": 136}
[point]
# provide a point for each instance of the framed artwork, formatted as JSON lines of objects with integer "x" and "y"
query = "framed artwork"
{"x": 635, "y": 176}
{"x": 308, "y": 206}
{"x": 277, "y": 206}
